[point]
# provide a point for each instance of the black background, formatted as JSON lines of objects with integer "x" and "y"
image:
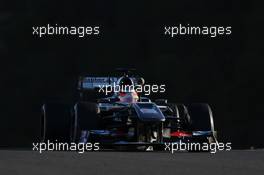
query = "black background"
{"x": 225, "y": 71}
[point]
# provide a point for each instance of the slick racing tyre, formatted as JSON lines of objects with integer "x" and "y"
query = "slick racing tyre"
{"x": 180, "y": 112}
{"x": 56, "y": 123}
{"x": 86, "y": 117}
{"x": 184, "y": 116}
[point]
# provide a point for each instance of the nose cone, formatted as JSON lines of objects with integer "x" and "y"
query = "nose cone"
{"x": 148, "y": 112}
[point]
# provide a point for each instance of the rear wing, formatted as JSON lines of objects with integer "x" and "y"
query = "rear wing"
{"x": 91, "y": 83}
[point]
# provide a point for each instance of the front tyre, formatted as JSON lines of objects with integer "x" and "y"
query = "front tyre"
{"x": 56, "y": 123}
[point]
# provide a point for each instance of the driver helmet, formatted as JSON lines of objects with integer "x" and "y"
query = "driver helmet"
{"x": 127, "y": 93}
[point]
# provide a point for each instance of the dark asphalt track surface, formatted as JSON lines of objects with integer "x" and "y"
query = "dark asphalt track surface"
{"x": 248, "y": 162}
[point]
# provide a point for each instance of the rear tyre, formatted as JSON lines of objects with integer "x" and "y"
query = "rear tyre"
{"x": 184, "y": 116}
{"x": 181, "y": 115}
{"x": 86, "y": 117}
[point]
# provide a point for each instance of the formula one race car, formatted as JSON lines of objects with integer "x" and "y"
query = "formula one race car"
{"x": 124, "y": 118}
